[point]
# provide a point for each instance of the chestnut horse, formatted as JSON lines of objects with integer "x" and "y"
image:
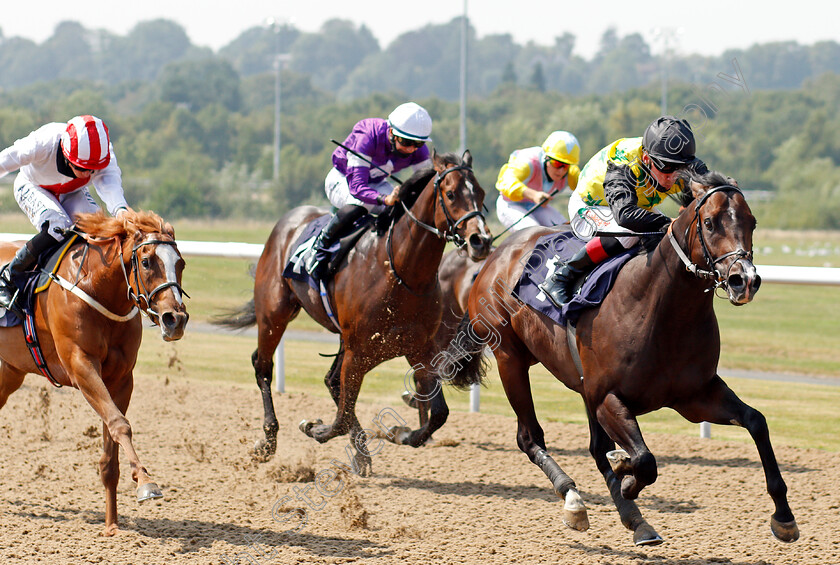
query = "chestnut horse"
{"x": 386, "y": 297}
{"x": 129, "y": 264}
{"x": 653, "y": 342}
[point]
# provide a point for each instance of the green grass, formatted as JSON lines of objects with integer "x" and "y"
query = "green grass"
{"x": 801, "y": 415}
{"x": 788, "y": 328}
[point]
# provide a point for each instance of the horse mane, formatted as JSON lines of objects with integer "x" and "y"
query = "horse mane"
{"x": 709, "y": 178}
{"x": 128, "y": 224}
{"x": 410, "y": 191}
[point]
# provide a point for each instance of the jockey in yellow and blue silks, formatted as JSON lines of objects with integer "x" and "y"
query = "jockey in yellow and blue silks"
{"x": 617, "y": 193}
{"x": 531, "y": 175}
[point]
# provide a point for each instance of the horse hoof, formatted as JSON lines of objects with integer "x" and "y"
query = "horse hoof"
{"x": 409, "y": 399}
{"x": 148, "y": 492}
{"x": 574, "y": 512}
{"x": 620, "y": 462}
{"x": 306, "y": 426}
{"x": 399, "y": 434}
{"x": 263, "y": 449}
{"x": 787, "y": 532}
{"x": 646, "y": 535}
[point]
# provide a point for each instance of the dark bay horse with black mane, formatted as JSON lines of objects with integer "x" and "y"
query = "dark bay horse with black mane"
{"x": 89, "y": 329}
{"x": 386, "y": 297}
{"x": 653, "y": 342}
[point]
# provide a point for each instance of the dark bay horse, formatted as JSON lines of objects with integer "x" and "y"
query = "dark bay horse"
{"x": 386, "y": 296}
{"x": 653, "y": 343}
{"x": 456, "y": 275}
{"x": 90, "y": 332}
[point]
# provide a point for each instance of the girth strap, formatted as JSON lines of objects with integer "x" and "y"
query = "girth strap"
{"x": 571, "y": 338}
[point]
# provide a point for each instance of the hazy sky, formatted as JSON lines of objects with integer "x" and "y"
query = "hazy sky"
{"x": 707, "y": 27}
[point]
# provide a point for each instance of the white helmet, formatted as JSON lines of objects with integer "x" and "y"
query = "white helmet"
{"x": 411, "y": 121}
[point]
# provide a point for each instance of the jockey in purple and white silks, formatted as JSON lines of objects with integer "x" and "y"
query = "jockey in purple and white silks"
{"x": 56, "y": 163}
{"x": 358, "y": 182}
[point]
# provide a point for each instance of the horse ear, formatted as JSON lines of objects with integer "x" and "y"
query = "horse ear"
{"x": 697, "y": 189}
{"x": 467, "y": 158}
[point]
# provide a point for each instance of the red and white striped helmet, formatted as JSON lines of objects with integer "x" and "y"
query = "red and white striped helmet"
{"x": 85, "y": 143}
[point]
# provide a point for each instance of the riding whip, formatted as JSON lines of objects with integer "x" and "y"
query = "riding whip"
{"x": 528, "y": 213}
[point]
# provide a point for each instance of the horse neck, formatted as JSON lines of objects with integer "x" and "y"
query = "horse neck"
{"x": 677, "y": 290}
{"x": 106, "y": 276}
{"x": 417, "y": 252}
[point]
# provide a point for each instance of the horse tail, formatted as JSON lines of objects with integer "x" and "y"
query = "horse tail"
{"x": 238, "y": 318}
{"x": 463, "y": 360}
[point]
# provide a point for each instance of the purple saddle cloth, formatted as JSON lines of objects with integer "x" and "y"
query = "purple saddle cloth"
{"x": 541, "y": 265}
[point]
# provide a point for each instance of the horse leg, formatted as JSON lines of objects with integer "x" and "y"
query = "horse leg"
{"x": 10, "y": 381}
{"x": 718, "y": 404}
{"x": 333, "y": 376}
{"x": 513, "y": 370}
{"x": 428, "y": 393}
{"x": 271, "y": 325}
{"x": 353, "y": 370}
{"x": 599, "y": 445}
{"x": 622, "y": 427}
{"x": 109, "y": 473}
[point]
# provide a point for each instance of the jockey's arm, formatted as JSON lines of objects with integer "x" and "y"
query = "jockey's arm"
{"x": 624, "y": 204}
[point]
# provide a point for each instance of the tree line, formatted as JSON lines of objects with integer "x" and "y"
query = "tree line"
{"x": 194, "y": 137}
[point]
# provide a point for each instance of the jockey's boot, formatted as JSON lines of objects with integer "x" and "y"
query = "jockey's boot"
{"x": 24, "y": 260}
{"x": 315, "y": 261}
{"x": 558, "y": 287}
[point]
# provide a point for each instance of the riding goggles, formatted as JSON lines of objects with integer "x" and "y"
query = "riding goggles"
{"x": 405, "y": 142}
{"x": 665, "y": 167}
{"x": 554, "y": 163}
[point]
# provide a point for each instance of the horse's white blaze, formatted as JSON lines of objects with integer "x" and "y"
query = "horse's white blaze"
{"x": 169, "y": 258}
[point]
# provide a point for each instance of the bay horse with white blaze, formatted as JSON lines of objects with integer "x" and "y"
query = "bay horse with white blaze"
{"x": 386, "y": 297}
{"x": 90, "y": 333}
{"x": 653, "y": 342}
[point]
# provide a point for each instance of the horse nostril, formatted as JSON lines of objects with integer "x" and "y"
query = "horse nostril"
{"x": 736, "y": 282}
{"x": 168, "y": 320}
{"x": 756, "y": 283}
{"x": 476, "y": 241}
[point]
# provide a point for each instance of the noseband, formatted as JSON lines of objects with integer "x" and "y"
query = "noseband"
{"x": 144, "y": 294}
{"x": 451, "y": 224}
{"x": 714, "y": 275}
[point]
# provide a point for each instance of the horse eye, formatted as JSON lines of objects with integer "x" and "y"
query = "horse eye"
{"x": 145, "y": 262}
{"x": 451, "y": 195}
{"x": 708, "y": 223}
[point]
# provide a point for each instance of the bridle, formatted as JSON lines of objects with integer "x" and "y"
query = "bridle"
{"x": 143, "y": 294}
{"x": 719, "y": 280}
{"x": 450, "y": 234}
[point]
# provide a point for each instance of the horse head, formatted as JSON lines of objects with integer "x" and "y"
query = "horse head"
{"x": 460, "y": 199}
{"x": 720, "y": 236}
{"x": 150, "y": 263}
{"x": 154, "y": 271}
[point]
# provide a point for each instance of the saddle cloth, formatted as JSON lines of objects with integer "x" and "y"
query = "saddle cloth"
{"x": 542, "y": 264}
{"x": 37, "y": 280}
{"x": 295, "y": 268}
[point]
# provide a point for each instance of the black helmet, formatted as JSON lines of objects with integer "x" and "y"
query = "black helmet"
{"x": 669, "y": 140}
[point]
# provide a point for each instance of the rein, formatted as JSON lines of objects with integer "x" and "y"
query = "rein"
{"x": 141, "y": 285}
{"x": 451, "y": 224}
{"x": 449, "y": 234}
{"x": 714, "y": 275}
{"x": 132, "y": 296}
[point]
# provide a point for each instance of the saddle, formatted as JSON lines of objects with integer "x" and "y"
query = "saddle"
{"x": 336, "y": 253}
{"x": 589, "y": 291}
